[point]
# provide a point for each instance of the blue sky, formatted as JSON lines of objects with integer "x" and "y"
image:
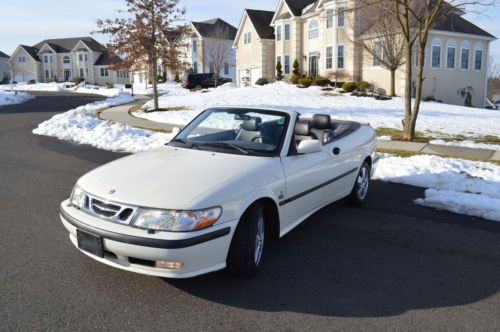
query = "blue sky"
{"x": 41, "y": 19}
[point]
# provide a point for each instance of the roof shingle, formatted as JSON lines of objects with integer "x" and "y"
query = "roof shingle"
{"x": 209, "y": 28}
{"x": 261, "y": 20}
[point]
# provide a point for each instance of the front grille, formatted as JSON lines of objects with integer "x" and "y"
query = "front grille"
{"x": 115, "y": 212}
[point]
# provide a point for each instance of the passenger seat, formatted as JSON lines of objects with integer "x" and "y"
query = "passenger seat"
{"x": 250, "y": 129}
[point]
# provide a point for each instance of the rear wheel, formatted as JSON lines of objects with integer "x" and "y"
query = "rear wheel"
{"x": 360, "y": 190}
{"x": 247, "y": 247}
{"x": 198, "y": 87}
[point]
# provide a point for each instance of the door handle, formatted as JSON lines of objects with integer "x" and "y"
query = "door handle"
{"x": 336, "y": 151}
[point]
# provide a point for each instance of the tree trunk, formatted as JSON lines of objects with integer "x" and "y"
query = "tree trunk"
{"x": 393, "y": 83}
{"x": 419, "y": 88}
{"x": 408, "y": 78}
{"x": 155, "y": 81}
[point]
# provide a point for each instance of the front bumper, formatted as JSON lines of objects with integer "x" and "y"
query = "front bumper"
{"x": 136, "y": 250}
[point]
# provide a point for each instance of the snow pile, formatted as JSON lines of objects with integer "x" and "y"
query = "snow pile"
{"x": 456, "y": 185}
{"x": 62, "y": 87}
{"x": 467, "y": 144}
{"x": 9, "y": 98}
{"x": 163, "y": 88}
{"x": 434, "y": 117}
{"x": 81, "y": 125}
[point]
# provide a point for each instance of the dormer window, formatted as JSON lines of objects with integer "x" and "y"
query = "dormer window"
{"x": 247, "y": 38}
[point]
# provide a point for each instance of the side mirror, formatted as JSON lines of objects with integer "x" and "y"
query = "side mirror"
{"x": 309, "y": 146}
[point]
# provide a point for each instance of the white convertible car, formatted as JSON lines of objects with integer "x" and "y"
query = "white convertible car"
{"x": 233, "y": 179}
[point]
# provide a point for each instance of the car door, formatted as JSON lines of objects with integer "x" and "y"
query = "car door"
{"x": 313, "y": 180}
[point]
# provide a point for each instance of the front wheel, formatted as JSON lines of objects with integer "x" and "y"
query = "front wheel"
{"x": 247, "y": 247}
{"x": 360, "y": 190}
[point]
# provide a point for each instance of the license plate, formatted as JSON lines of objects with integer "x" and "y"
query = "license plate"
{"x": 90, "y": 243}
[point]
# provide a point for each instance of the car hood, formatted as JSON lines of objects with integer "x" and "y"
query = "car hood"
{"x": 168, "y": 177}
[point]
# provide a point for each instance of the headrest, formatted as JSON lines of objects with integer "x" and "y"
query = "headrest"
{"x": 321, "y": 121}
{"x": 302, "y": 128}
{"x": 251, "y": 125}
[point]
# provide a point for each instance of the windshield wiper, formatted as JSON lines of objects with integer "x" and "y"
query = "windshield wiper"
{"x": 227, "y": 144}
{"x": 185, "y": 142}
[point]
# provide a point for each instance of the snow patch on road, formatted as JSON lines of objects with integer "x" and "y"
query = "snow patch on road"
{"x": 10, "y": 98}
{"x": 455, "y": 185}
{"x": 81, "y": 125}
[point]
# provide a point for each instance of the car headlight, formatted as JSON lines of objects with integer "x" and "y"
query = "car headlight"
{"x": 176, "y": 221}
{"x": 77, "y": 197}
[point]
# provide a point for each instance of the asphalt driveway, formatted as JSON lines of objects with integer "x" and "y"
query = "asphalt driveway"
{"x": 389, "y": 266}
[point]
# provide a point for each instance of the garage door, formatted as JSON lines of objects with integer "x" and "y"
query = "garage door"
{"x": 255, "y": 75}
{"x": 24, "y": 78}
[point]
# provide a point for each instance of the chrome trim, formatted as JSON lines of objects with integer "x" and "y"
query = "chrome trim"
{"x": 90, "y": 209}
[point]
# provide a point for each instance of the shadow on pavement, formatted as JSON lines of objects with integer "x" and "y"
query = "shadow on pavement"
{"x": 363, "y": 263}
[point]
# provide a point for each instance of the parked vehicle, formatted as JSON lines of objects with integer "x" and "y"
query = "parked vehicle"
{"x": 204, "y": 81}
{"x": 232, "y": 180}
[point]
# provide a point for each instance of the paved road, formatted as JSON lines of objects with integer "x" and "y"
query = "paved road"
{"x": 389, "y": 266}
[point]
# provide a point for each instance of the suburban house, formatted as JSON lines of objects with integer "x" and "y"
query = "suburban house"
{"x": 255, "y": 47}
{"x": 4, "y": 68}
{"x": 64, "y": 60}
{"x": 207, "y": 44}
{"x": 323, "y": 36}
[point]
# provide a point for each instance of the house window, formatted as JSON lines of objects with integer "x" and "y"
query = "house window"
{"x": 329, "y": 57}
{"x": 47, "y": 74}
{"x": 195, "y": 67}
{"x": 51, "y": 59}
{"x": 436, "y": 53}
{"x": 340, "y": 56}
{"x": 464, "y": 56}
{"x": 66, "y": 59}
{"x": 378, "y": 54}
{"x": 340, "y": 17}
{"x": 451, "y": 50}
{"x": 45, "y": 59}
{"x": 287, "y": 64}
{"x": 226, "y": 68}
{"x": 287, "y": 31}
{"x": 104, "y": 72}
{"x": 313, "y": 29}
{"x": 195, "y": 46}
{"x": 80, "y": 57}
{"x": 478, "y": 57}
{"x": 83, "y": 57}
{"x": 329, "y": 18}
{"x": 21, "y": 59}
{"x": 247, "y": 38}
{"x": 82, "y": 72}
{"x": 278, "y": 33}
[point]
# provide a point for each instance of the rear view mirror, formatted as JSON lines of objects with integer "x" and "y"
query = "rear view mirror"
{"x": 309, "y": 146}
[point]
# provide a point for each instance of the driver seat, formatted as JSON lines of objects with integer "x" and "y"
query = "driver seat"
{"x": 250, "y": 130}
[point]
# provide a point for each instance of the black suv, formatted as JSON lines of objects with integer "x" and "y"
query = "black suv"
{"x": 203, "y": 81}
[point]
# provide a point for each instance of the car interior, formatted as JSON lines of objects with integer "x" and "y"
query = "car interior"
{"x": 321, "y": 127}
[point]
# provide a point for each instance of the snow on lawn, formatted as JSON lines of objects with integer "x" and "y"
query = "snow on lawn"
{"x": 456, "y": 185}
{"x": 60, "y": 87}
{"x": 81, "y": 125}
{"x": 9, "y": 98}
{"x": 434, "y": 117}
{"x": 467, "y": 144}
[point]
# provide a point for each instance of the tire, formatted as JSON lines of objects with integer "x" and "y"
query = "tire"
{"x": 247, "y": 247}
{"x": 198, "y": 87}
{"x": 361, "y": 186}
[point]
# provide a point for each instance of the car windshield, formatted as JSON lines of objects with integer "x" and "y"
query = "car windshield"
{"x": 240, "y": 131}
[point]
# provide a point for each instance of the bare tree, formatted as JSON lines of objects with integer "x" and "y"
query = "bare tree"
{"x": 382, "y": 42}
{"x": 415, "y": 20}
{"x": 141, "y": 37}
{"x": 218, "y": 49}
{"x": 493, "y": 69}
{"x": 338, "y": 75}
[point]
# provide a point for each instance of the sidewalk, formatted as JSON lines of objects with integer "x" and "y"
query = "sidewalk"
{"x": 121, "y": 114}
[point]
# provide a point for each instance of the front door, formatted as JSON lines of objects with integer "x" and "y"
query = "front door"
{"x": 67, "y": 75}
{"x": 313, "y": 65}
{"x": 313, "y": 180}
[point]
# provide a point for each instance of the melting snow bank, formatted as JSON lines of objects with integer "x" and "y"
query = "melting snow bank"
{"x": 467, "y": 144}
{"x": 457, "y": 185}
{"x": 81, "y": 125}
{"x": 9, "y": 98}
